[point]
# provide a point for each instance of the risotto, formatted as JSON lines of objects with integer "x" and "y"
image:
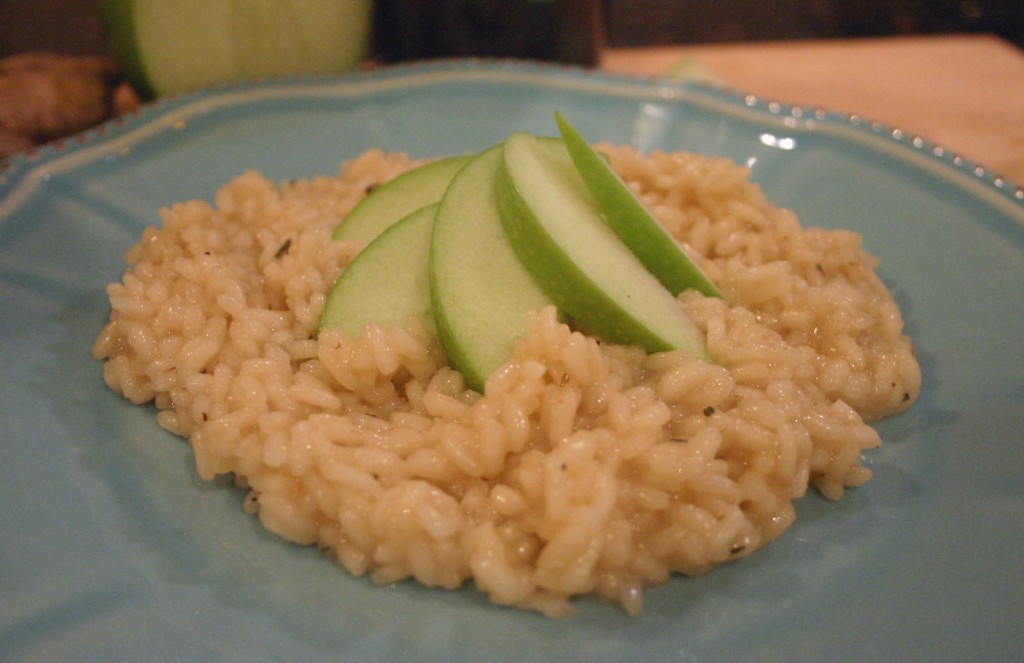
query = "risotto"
{"x": 585, "y": 468}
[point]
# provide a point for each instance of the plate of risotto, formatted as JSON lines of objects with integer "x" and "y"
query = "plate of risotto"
{"x": 195, "y": 466}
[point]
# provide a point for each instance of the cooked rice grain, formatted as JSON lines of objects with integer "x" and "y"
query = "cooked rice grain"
{"x": 586, "y": 468}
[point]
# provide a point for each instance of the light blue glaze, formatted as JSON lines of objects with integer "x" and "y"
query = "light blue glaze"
{"x": 111, "y": 549}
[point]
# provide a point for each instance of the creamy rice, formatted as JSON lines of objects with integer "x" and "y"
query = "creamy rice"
{"x": 586, "y": 468}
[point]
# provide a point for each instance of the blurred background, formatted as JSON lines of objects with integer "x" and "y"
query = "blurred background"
{"x": 649, "y": 22}
{"x": 55, "y": 79}
{"x": 73, "y": 26}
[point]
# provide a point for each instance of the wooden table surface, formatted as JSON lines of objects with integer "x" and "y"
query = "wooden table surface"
{"x": 964, "y": 92}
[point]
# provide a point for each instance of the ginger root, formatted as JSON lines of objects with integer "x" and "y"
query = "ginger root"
{"x": 44, "y": 96}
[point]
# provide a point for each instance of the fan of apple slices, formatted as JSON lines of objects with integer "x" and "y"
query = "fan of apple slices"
{"x": 481, "y": 242}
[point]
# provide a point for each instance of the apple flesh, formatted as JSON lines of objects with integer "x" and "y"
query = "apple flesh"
{"x": 387, "y": 282}
{"x": 556, "y": 228}
{"x": 481, "y": 293}
{"x": 170, "y": 46}
{"x": 630, "y": 219}
{"x": 397, "y": 198}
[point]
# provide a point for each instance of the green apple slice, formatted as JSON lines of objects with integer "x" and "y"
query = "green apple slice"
{"x": 167, "y": 46}
{"x": 481, "y": 293}
{"x": 398, "y": 197}
{"x": 387, "y": 282}
{"x": 632, "y": 221}
{"x": 557, "y": 230}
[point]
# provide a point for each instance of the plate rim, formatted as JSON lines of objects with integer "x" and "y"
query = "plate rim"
{"x": 22, "y": 174}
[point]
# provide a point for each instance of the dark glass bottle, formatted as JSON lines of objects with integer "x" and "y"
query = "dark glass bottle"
{"x": 558, "y": 30}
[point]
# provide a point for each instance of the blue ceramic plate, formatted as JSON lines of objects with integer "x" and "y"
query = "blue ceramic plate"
{"x": 113, "y": 550}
